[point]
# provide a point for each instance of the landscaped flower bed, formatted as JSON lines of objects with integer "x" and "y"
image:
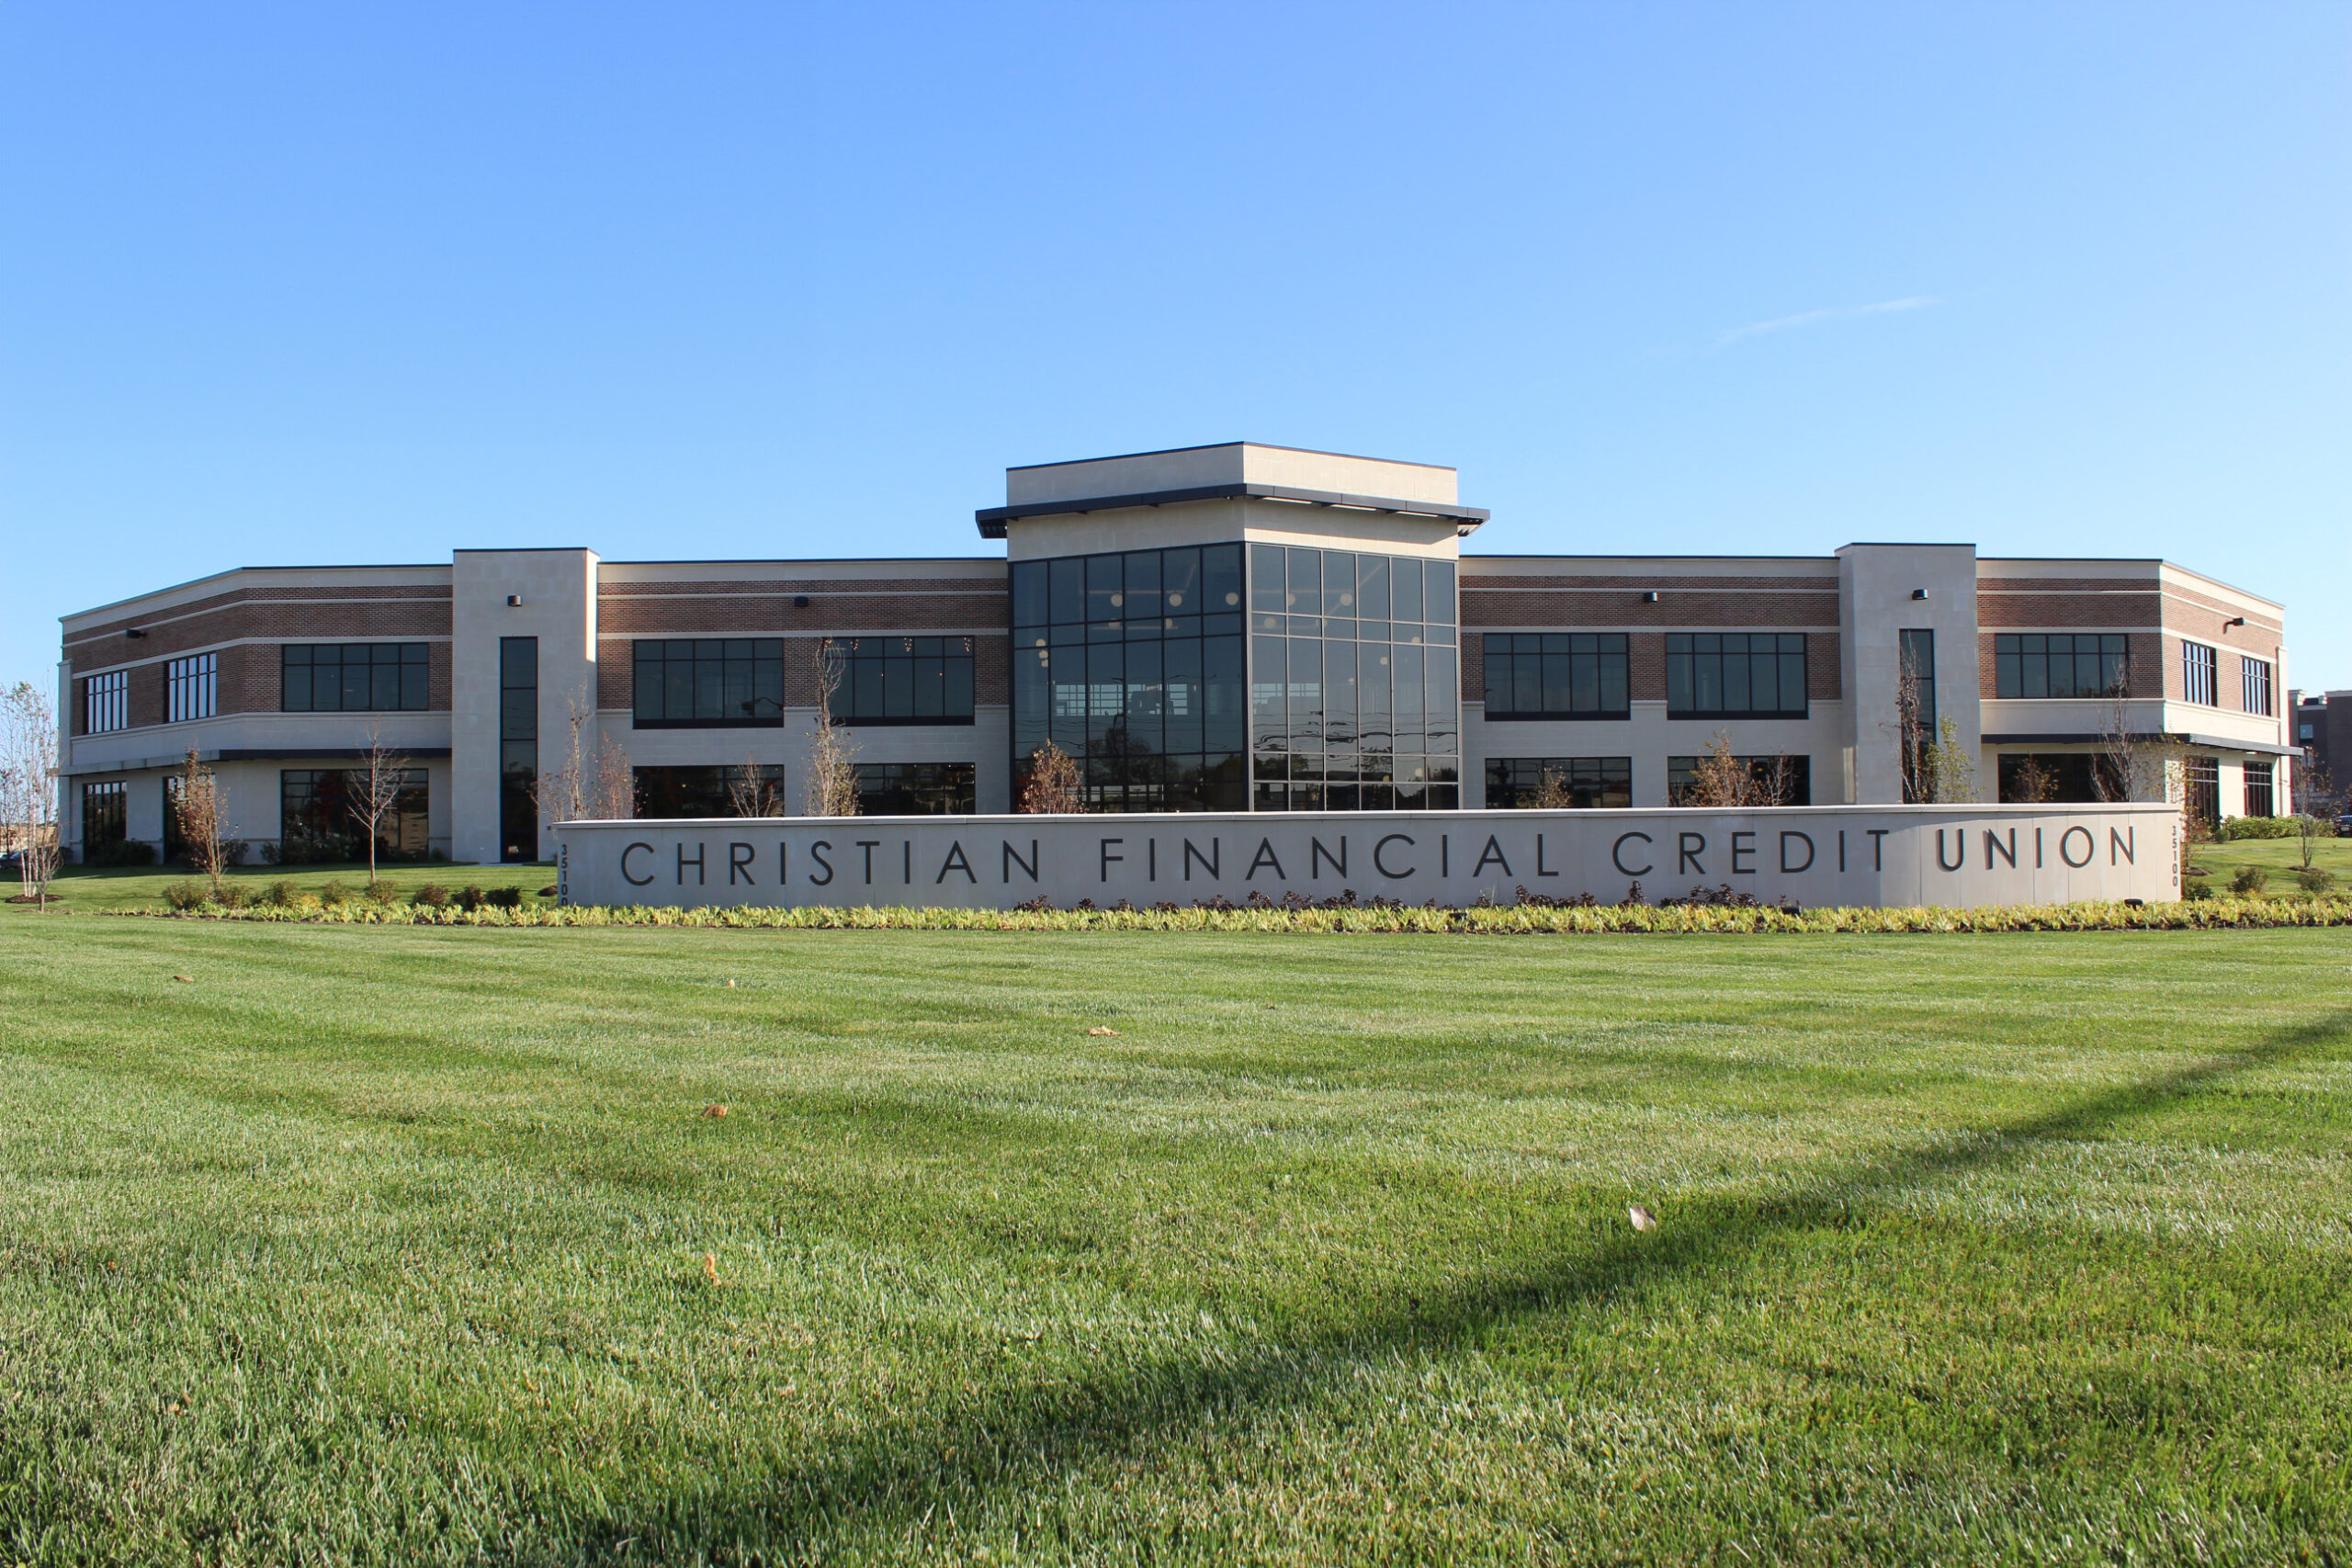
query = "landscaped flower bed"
{"x": 1515, "y": 919}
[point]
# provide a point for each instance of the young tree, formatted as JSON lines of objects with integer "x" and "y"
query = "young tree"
{"x": 28, "y": 758}
{"x": 1948, "y": 771}
{"x": 376, "y": 791}
{"x": 202, "y": 822}
{"x": 752, "y": 791}
{"x": 2314, "y": 793}
{"x": 830, "y": 789}
{"x": 586, "y": 787}
{"x": 2032, "y": 784}
{"x": 1056, "y": 786}
{"x": 1912, "y": 734}
{"x": 1724, "y": 781}
{"x": 2133, "y": 764}
{"x": 1553, "y": 793}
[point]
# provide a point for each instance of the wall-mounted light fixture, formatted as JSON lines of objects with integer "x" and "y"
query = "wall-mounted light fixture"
{"x": 800, "y": 601}
{"x": 1919, "y": 594}
{"x": 1649, "y": 596}
{"x": 514, "y": 601}
{"x": 132, "y": 632}
{"x": 2234, "y": 621}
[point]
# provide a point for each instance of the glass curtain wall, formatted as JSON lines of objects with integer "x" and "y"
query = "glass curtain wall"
{"x": 1355, "y": 704}
{"x": 1132, "y": 663}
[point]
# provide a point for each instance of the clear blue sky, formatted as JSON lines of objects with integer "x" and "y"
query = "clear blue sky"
{"x": 346, "y": 283}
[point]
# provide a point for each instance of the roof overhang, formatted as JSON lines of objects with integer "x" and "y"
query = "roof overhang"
{"x": 2174, "y": 736}
{"x": 1466, "y": 519}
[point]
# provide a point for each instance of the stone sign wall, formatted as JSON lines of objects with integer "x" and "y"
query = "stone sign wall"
{"x": 1897, "y": 855}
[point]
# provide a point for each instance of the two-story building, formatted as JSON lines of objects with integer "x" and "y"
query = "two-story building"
{"x": 1235, "y": 627}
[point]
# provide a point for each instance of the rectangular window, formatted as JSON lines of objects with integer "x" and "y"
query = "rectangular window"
{"x": 319, "y": 821}
{"x": 903, "y": 680}
{"x": 353, "y": 677}
{"x": 1736, "y": 674}
{"x": 2059, "y": 664}
{"x": 174, "y": 848}
{"x": 1555, "y": 675}
{"x": 2202, "y": 779}
{"x": 2197, "y": 664}
{"x": 1131, "y": 663}
{"x": 191, "y": 684}
{"x": 105, "y": 703}
{"x": 916, "y": 789}
{"x": 1771, "y": 780}
{"x": 708, "y": 683}
{"x": 105, "y": 812}
{"x": 1915, "y": 706}
{"x": 2254, "y": 681}
{"x": 1557, "y": 782}
{"x": 735, "y": 789}
{"x": 2260, "y": 800}
{"x": 2065, "y": 778}
{"x": 518, "y": 749}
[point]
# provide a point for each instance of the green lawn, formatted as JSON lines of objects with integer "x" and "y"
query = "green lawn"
{"x": 389, "y": 1244}
{"x": 2280, "y": 857}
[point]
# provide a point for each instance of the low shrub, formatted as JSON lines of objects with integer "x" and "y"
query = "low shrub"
{"x": 2238, "y": 827}
{"x": 381, "y": 893}
{"x": 432, "y": 895}
{"x": 282, "y": 894}
{"x": 2318, "y": 879}
{"x": 470, "y": 898}
{"x": 336, "y": 893}
{"x": 2250, "y": 879}
{"x": 2201, "y": 911}
{"x": 2198, "y": 888}
{"x": 184, "y": 895}
{"x": 122, "y": 852}
{"x": 504, "y": 899}
{"x": 234, "y": 896}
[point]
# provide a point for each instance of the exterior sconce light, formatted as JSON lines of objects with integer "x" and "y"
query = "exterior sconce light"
{"x": 514, "y": 601}
{"x": 1919, "y": 594}
{"x": 1650, "y": 597}
{"x": 132, "y": 632}
{"x": 2234, "y": 621}
{"x": 800, "y": 601}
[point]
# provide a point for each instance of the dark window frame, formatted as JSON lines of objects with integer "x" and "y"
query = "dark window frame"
{"x": 105, "y": 703}
{"x": 1691, "y": 683}
{"x": 2025, "y": 665}
{"x": 2255, "y": 691}
{"x": 926, "y": 789}
{"x": 1562, "y": 664}
{"x": 2200, "y": 674}
{"x": 407, "y": 672}
{"x": 309, "y": 832}
{"x": 1607, "y": 781}
{"x": 106, "y": 805}
{"x": 191, "y": 688}
{"x": 891, "y": 678}
{"x": 705, "y": 676}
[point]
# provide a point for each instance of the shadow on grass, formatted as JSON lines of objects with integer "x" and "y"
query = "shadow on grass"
{"x": 895, "y": 1475}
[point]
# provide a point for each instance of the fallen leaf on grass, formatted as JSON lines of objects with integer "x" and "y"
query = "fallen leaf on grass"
{"x": 184, "y": 979}
{"x": 714, "y": 1112}
{"x": 710, "y": 1266}
{"x": 1641, "y": 1216}
{"x": 1098, "y": 1029}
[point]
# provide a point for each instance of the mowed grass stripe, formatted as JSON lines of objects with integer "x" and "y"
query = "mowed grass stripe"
{"x": 1976, "y": 1248}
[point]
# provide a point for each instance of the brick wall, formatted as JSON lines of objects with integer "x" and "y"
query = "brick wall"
{"x": 1549, "y": 603}
{"x": 915, "y": 605}
{"x": 248, "y": 680}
